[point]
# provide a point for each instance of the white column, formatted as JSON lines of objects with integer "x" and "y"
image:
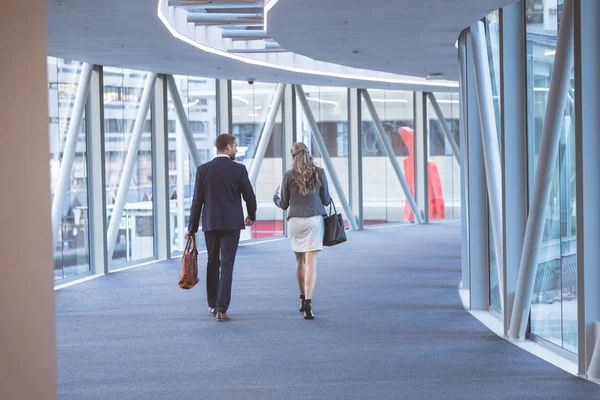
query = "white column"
{"x": 160, "y": 153}
{"x": 96, "y": 179}
{"x": 265, "y": 136}
{"x": 289, "y": 133}
{"x": 544, "y": 171}
{"x": 66, "y": 164}
{"x": 316, "y": 133}
{"x": 179, "y": 165}
{"x": 355, "y": 150}
{"x": 478, "y": 217}
{"x": 420, "y": 151}
{"x": 514, "y": 137}
{"x": 134, "y": 145}
{"x": 489, "y": 140}
{"x": 464, "y": 171}
{"x": 28, "y": 332}
{"x": 587, "y": 141}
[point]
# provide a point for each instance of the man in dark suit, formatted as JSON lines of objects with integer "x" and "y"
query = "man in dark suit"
{"x": 219, "y": 184}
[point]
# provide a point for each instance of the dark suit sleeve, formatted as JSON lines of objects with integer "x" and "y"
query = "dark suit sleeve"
{"x": 197, "y": 204}
{"x": 324, "y": 191}
{"x": 283, "y": 202}
{"x": 248, "y": 194}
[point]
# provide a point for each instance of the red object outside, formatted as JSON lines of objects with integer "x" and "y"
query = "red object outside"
{"x": 436, "y": 199}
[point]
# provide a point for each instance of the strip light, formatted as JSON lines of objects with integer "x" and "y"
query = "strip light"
{"x": 259, "y": 63}
{"x": 335, "y": 103}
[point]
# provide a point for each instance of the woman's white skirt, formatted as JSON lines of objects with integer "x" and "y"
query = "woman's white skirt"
{"x": 306, "y": 234}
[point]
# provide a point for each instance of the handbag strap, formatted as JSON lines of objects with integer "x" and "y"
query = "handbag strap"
{"x": 334, "y": 209}
{"x": 191, "y": 242}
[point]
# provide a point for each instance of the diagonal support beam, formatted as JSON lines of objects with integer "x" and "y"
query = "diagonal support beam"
{"x": 263, "y": 142}
{"x": 544, "y": 172}
{"x": 445, "y": 127}
{"x": 325, "y": 155}
{"x": 184, "y": 122}
{"x": 489, "y": 140}
{"x": 134, "y": 146}
{"x": 387, "y": 146}
{"x": 66, "y": 165}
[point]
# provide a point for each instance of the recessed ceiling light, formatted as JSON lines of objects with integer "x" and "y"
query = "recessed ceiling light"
{"x": 435, "y": 75}
{"x": 355, "y": 51}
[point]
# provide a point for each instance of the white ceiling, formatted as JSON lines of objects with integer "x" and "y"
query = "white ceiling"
{"x": 128, "y": 33}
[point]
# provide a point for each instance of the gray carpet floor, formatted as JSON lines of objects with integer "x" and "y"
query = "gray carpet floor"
{"x": 389, "y": 325}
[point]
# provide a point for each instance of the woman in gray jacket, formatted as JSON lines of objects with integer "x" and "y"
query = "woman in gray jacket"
{"x": 304, "y": 190}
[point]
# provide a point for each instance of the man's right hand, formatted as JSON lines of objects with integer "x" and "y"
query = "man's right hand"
{"x": 248, "y": 222}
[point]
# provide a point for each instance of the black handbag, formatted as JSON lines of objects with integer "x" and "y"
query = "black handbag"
{"x": 334, "y": 228}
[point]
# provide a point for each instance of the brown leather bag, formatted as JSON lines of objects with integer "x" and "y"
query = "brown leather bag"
{"x": 189, "y": 265}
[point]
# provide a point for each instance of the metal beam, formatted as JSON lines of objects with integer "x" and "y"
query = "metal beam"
{"x": 96, "y": 179}
{"x": 224, "y": 117}
{"x": 464, "y": 171}
{"x": 325, "y": 156}
{"x": 265, "y": 136}
{"x": 244, "y": 34}
{"x": 514, "y": 138}
{"x": 420, "y": 166}
{"x": 124, "y": 182}
{"x": 544, "y": 172}
{"x": 183, "y": 121}
{"x": 160, "y": 170}
{"x": 445, "y": 127}
{"x": 66, "y": 165}
{"x": 489, "y": 140}
{"x": 479, "y": 279}
{"x": 587, "y": 161}
{"x": 387, "y": 146}
{"x": 355, "y": 155}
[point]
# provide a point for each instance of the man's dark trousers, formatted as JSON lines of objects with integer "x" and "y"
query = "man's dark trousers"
{"x": 221, "y": 246}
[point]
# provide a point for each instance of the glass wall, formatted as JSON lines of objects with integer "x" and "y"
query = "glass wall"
{"x": 329, "y": 106}
{"x": 250, "y": 108}
{"x": 198, "y": 96}
{"x": 71, "y": 250}
{"x": 384, "y": 200}
{"x": 444, "y": 170}
{"x": 122, "y": 94}
{"x": 554, "y": 304}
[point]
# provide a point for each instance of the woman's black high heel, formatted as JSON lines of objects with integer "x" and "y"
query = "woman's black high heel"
{"x": 308, "y": 314}
{"x": 301, "y": 303}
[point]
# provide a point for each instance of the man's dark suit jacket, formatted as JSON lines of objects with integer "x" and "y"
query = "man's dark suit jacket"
{"x": 219, "y": 184}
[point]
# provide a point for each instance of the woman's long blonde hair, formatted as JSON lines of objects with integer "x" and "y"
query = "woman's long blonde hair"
{"x": 304, "y": 170}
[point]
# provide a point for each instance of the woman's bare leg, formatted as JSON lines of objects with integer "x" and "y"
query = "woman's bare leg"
{"x": 311, "y": 273}
{"x": 300, "y": 270}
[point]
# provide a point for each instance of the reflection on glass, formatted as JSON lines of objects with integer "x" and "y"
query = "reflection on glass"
{"x": 554, "y": 305}
{"x": 71, "y": 251}
{"x": 198, "y": 97}
{"x": 250, "y": 107}
{"x": 329, "y": 106}
{"x": 384, "y": 200}
{"x": 122, "y": 93}
{"x": 444, "y": 171}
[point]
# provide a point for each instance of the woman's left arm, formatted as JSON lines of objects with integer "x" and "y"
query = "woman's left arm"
{"x": 324, "y": 190}
{"x": 282, "y": 202}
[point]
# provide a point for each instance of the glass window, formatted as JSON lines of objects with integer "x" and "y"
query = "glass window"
{"x": 329, "y": 106}
{"x": 198, "y": 96}
{"x": 71, "y": 250}
{"x": 444, "y": 171}
{"x": 123, "y": 90}
{"x": 554, "y": 304}
{"x": 383, "y": 197}
{"x": 250, "y": 107}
